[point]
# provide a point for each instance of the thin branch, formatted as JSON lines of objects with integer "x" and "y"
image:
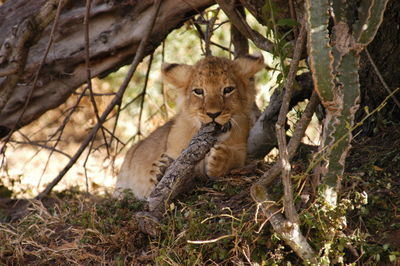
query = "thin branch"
{"x": 144, "y": 91}
{"x": 202, "y": 37}
{"x": 294, "y": 142}
{"x": 117, "y": 99}
{"x": 115, "y": 127}
{"x": 209, "y": 32}
{"x": 129, "y": 103}
{"x": 96, "y": 94}
{"x": 293, "y": 15}
{"x": 378, "y": 73}
{"x": 290, "y": 210}
{"x": 89, "y": 74}
{"x": 164, "y": 107}
{"x": 288, "y": 231}
{"x": 240, "y": 23}
{"x": 201, "y": 242}
{"x": 30, "y": 93}
{"x": 37, "y": 144}
{"x": 84, "y": 165}
{"x": 239, "y": 41}
{"x": 60, "y": 129}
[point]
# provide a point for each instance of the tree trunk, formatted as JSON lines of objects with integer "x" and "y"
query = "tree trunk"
{"x": 115, "y": 28}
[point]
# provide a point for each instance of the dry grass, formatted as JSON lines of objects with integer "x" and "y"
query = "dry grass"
{"x": 74, "y": 228}
{"x": 214, "y": 224}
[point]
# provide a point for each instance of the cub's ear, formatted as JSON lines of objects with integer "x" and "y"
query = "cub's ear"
{"x": 249, "y": 65}
{"x": 176, "y": 74}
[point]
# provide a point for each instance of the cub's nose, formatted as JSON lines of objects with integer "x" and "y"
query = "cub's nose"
{"x": 213, "y": 115}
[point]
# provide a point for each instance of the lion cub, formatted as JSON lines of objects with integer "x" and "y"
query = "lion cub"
{"x": 214, "y": 89}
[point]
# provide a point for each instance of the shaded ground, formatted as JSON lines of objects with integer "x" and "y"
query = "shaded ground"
{"x": 217, "y": 223}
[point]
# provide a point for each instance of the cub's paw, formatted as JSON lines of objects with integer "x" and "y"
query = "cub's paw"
{"x": 160, "y": 166}
{"x": 217, "y": 161}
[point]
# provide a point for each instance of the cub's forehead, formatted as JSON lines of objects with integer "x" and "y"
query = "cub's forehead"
{"x": 213, "y": 70}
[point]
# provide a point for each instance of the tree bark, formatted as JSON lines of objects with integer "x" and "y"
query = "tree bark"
{"x": 262, "y": 137}
{"x": 116, "y": 29}
{"x": 180, "y": 172}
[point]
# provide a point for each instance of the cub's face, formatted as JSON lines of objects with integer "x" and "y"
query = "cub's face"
{"x": 215, "y": 88}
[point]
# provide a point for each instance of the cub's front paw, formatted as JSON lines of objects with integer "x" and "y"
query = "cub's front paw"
{"x": 160, "y": 166}
{"x": 217, "y": 161}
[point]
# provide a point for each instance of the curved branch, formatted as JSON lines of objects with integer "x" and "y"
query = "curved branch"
{"x": 116, "y": 31}
{"x": 241, "y": 25}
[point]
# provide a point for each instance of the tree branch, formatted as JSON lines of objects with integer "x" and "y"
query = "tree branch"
{"x": 238, "y": 21}
{"x": 16, "y": 47}
{"x": 89, "y": 75}
{"x": 28, "y": 33}
{"x": 262, "y": 137}
{"x": 378, "y": 73}
{"x": 180, "y": 172}
{"x": 116, "y": 32}
{"x": 294, "y": 142}
{"x": 290, "y": 210}
{"x": 117, "y": 99}
{"x": 239, "y": 41}
{"x": 288, "y": 231}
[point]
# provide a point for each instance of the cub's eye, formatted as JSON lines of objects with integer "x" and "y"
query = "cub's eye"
{"x": 198, "y": 91}
{"x": 228, "y": 90}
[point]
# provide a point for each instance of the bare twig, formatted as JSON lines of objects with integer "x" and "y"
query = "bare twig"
{"x": 44, "y": 17}
{"x": 290, "y": 210}
{"x": 89, "y": 74}
{"x": 96, "y": 94}
{"x": 239, "y": 41}
{"x": 115, "y": 126}
{"x": 144, "y": 92}
{"x": 163, "y": 92}
{"x": 378, "y": 73}
{"x": 202, "y": 37}
{"x": 240, "y": 23}
{"x": 200, "y": 242}
{"x": 38, "y": 144}
{"x": 294, "y": 142}
{"x": 209, "y": 32}
{"x": 60, "y": 131}
{"x": 117, "y": 99}
{"x": 288, "y": 231}
{"x": 294, "y": 17}
{"x": 84, "y": 165}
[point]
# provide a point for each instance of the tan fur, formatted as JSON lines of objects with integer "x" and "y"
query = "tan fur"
{"x": 213, "y": 76}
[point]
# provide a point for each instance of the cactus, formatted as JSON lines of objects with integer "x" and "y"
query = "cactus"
{"x": 366, "y": 30}
{"x": 319, "y": 47}
{"x": 335, "y": 74}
